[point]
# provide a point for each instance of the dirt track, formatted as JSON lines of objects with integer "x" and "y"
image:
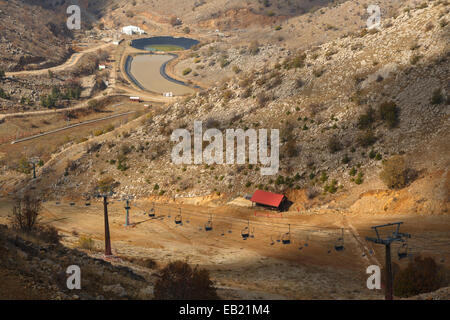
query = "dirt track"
{"x": 73, "y": 60}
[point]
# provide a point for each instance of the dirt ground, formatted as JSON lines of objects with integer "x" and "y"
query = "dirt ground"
{"x": 260, "y": 267}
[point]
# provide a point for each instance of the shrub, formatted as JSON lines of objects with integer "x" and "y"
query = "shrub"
{"x": 420, "y": 276}
{"x": 437, "y": 97}
{"x": 262, "y": 99}
{"x": 178, "y": 281}
{"x": 299, "y": 83}
{"x": 394, "y": 173}
{"x": 187, "y": 71}
{"x": 25, "y": 213}
{"x": 346, "y": 159}
{"x": 334, "y": 145}
{"x": 415, "y": 58}
{"x": 389, "y": 113}
{"x": 359, "y": 179}
{"x": 291, "y": 148}
{"x": 86, "y": 243}
{"x": 49, "y": 234}
{"x": 367, "y": 138}
{"x": 365, "y": 120}
{"x": 332, "y": 187}
{"x": 106, "y": 184}
{"x": 254, "y": 48}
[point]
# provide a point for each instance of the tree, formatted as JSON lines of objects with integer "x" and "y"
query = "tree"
{"x": 178, "y": 281}
{"x": 26, "y": 213}
{"x": 420, "y": 276}
{"x": 2, "y": 74}
{"x": 395, "y": 172}
{"x": 106, "y": 184}
{"x": 389, "y": 113}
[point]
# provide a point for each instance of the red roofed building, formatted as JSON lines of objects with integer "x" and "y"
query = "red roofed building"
{"x": 269, "y": 199}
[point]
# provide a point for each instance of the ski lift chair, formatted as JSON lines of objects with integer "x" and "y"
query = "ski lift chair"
{"x": 339, "y": 245}
{"x": 245, "y": 233}
{"x": 208, "y": 225}
{"x": 403, "y": 251}
{"x": 286, "y": 239}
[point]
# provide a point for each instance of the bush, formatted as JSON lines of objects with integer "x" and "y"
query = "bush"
{"x": 420, "y": 276}
{"x": 334, "y": 145}
{"x": 106, "y": 184}
{"x": 86, "y": 243}
{"x": 389, "y": 113}
{"x": 187, "y": 71}
{"x": 262, "y": 99}
{"x": 437, "y": 97}
{"x": 25, "y": 213}
{"x": 178, "y": 281}
{"x": 332, "y": 187}
{"x": 367, "y": 138}
{"x": 254, "y": 48}
{"x": 394, "y": 173}
{"x": 365, "y": 120}
{"x": 359, "y": 179}
{"x": 49, "y": 234}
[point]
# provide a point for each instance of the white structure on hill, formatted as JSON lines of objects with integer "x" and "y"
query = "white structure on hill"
{"x": 130, "y": 30}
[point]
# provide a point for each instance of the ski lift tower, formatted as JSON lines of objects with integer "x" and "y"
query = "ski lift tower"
{"x": 127, "y": 208}
{"x": 396, "y": 236}
{"x": 105, "y": 196}
{"x": 34, "y": 161}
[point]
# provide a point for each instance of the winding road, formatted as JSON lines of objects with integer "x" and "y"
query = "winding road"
{"x": 73, "y": 60}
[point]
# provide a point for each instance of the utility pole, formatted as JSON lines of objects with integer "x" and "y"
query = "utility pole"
{"x": 105, "y": 196}
{"x": 396, "y": 236}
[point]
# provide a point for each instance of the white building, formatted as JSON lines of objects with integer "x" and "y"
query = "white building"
{"x": 130, "y": 30}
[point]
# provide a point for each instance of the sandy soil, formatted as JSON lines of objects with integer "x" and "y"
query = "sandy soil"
{"x": 261, "y": 266}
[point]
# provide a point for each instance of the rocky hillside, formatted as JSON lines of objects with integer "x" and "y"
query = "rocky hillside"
{"x": 33, "y": 268}
{"x": 342, "y": 108}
